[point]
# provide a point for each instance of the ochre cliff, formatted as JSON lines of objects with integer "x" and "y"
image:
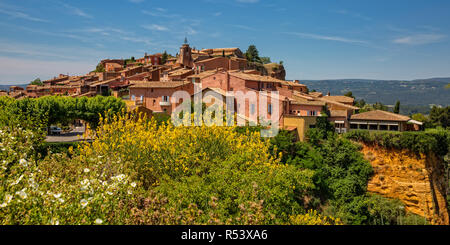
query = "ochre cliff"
{"x": 416, "y": 180}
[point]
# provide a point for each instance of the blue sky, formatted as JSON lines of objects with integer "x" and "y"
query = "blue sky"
{"x": 316, "y": 39}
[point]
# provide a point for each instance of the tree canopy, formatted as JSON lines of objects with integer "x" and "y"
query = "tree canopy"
{"x": 252, "y": 54}
{"x": 349, "y": 94}
{"x": 164, "y": 57}
{"x": 50, "y": 110}
{"x": 100, "y": 68}
{"x": 397, "y": 107}
{"x": 37, "y": 82}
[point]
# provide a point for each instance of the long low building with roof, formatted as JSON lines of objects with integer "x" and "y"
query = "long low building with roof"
{"x": 383, "y": 121}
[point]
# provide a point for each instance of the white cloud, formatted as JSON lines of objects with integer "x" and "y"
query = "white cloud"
{"x": 159, "y": 13}
{"x": 420, "y": 39}
{"x": 21, "y": 15}
{"x": 247, "y": 28}
{"x": 327, "y": 38}
{"x": 77, "y": 11}
{"x": 155, "y": 27}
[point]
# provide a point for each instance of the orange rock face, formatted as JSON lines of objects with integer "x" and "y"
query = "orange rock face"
{"x": 417, "y": 181}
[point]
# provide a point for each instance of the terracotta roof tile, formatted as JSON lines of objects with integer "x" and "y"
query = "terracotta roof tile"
{"x": 299, "y": 100}
{"x": 341, "y": 99}
{"x": 338, "y": 113}
{"x": 140, "y": 84}
{"x": 378, "y": 115}
{"x": 349, "y": 107}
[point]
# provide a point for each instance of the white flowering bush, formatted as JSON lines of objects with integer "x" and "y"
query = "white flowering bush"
{"x": 59, "y": 190}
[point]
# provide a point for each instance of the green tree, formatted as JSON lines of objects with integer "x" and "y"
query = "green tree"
{"x": 164, "y": 57}
{"x": 397, "y": 107}
{"x": 252, "y": 54}
{"x": 100, "y": 68}
{"x": 440, "y": 116}
{"x": 265, "y": 60}
{"x": 37, "y": 82}
{"x": 360, "y": 103}
{"x": 349, "y": 94}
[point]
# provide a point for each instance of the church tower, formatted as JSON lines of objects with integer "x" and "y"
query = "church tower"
{"x": 185, "y": 57}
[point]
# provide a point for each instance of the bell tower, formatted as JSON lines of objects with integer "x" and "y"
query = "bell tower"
{"x": 185, "y": 57}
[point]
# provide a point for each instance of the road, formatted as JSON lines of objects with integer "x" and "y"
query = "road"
{"x": 73, "y": 136}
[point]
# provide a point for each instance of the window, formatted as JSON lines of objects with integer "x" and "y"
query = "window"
{"x": 269, "y": 109}
{"x": 373, "y": 127}
{"x": 252, "y": 109}
{"x": 384, "y": 127}
{"x": 312, "y": 113}
{"x": 165, "y": 98}
{"x": 354, "y": 126}
{"x": 154, "y": 101}
{"x": 363, "y": 126}
{"x": 393, "y": 127}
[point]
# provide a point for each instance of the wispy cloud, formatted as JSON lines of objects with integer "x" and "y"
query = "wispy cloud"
{"x": 327, "y": 38}
{"x": 77, "y": 11}
{"x": 159, "y": 13}
{"x": 243, "y": 27}
{"x": 20, "y": 14}
{"x": 155, "y": 27}
{"x": 420, "y": 39}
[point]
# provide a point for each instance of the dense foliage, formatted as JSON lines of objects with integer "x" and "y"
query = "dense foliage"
{"x": 45, "y": 111}
{"x": 340, "y": 178}
{"x": 37, "y": 82}
{"x": 138, "y": 172}
{"x": 438, "y": 117}
{"x": 433, "y": 140}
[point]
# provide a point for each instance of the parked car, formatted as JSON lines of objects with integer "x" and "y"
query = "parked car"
{"x": 55, "y": 130}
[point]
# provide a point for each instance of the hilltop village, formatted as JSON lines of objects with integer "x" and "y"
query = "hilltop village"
{"x": 148, "y": 83}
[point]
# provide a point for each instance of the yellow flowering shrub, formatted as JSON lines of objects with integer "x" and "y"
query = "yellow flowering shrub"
{"x": 138, "y": 172}
{"x": 314, "y": 218}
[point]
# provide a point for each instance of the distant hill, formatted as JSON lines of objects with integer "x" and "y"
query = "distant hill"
{"x": 420, "y": 93}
